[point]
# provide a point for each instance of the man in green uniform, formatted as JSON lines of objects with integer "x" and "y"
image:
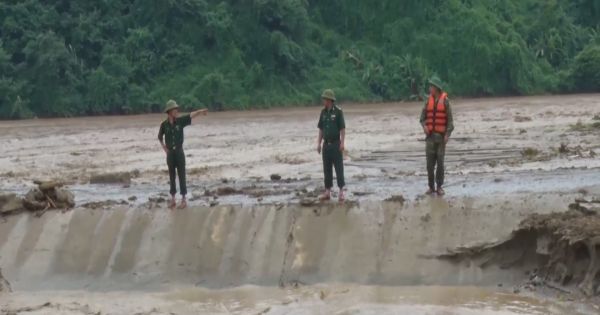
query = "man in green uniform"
{"x": 332, "y": 134}
{"x": 438, "y": 124}
{"x": 172, "y": 131}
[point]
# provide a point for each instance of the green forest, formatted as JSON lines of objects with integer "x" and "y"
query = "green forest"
{"x": 63, "y": 58}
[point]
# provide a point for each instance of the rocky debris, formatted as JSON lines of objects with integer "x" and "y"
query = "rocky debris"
{"x": 577, "y": 151}
{"x": 307, "y": 202}
{"x": 123, "y": 178}
{"x": 287, "y": 159}
{"x": 157, "y": 199}
{"x": 306, "y": 193}
{"x": 226, "y": 191}
{"x": 396, "y": 198}
{"x": 565, "y": 246}
{"x": 4, "y": 285}
{"x": 57, "y": 308}
{"x": 104, "y": 204}
{"x": 260, "y": 191}
{"x": 275, "y": 177}
{"x": 492, "y": 163}
{"x": 530, "y": 153}
{"x": 10, "y": 203}
{"x": 583, "y": 127}
{"x": 522, "y": 118}
{"x": 48, "y": 195}
{"x": 586, "y": 206}
{"x": 8, "y": 174}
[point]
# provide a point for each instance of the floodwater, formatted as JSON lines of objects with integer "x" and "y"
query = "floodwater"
{"x": 324, "y": 299}
{"x": 384, "y": 145}
{"x": 258, "y": 251}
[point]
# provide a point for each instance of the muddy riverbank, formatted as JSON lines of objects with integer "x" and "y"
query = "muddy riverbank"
{"x": 495, "y": 139}
{"x": 252, "y": 243}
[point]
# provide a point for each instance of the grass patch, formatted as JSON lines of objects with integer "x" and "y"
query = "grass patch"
{"x": 580, "y": 126}
{"x": 530, "y": 153}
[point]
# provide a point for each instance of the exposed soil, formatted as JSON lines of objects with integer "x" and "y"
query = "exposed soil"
{"x": 563, "y": 248}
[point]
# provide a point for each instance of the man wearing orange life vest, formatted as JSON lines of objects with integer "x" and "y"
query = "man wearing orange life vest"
{"x": 438, "y": 124}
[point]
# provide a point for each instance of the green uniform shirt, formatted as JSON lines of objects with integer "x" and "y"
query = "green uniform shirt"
{"x": 173, "y": 133}
{"x": 332, "y": 122}
{"x": 449, "y": 119}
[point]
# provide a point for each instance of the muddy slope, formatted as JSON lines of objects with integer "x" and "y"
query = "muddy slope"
{"x": 561, "y": 250}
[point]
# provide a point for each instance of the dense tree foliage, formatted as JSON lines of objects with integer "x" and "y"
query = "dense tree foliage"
{"x": 75, "y": 57}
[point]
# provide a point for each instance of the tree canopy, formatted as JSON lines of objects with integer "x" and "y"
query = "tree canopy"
{"x": 74, "y": 57}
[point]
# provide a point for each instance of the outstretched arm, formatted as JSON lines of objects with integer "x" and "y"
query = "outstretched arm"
{"x": 199, "y": 112}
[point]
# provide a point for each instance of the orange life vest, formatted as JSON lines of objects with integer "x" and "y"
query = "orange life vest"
{"x": 437, "y": 120}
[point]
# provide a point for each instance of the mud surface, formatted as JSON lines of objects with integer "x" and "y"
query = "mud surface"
{"x": 324, "y": 299}
{"x": 562, "y": 248}
{"x": 253, "y": 178}
{"x": 492, "y": 150}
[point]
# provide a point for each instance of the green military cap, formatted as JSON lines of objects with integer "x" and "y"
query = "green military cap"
{"x": 328, "y": 94}
{"x": 436, "y": 81}
{"x": 171, "y": 104}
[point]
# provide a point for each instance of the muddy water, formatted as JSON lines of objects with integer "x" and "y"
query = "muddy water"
{"x": 340, "y": 299}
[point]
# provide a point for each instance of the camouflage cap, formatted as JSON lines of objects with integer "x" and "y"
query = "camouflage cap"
{"x": 171, "y": 104}
{"x": 328, "y": 94}
{"x": 437, "y": 82}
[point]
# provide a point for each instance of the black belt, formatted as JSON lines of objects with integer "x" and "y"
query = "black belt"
{"x": 328, "y": 142}
{"x": 176, "y": 148}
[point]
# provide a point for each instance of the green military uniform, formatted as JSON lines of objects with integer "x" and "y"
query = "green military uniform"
{"x": 173, "y": 136}
{"x": 331, "y": 122}
{"x": 435, "y": 147}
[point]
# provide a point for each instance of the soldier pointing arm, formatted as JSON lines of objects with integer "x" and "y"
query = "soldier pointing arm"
{"x": 170, "y": 136}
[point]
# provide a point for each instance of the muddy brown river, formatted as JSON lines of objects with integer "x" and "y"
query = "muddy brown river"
{"x": 257, "y": 250}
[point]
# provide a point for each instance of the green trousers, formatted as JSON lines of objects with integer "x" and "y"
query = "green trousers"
{"x": 435, "y": 150}
{"x": 176, "y": 164}
{"x": 333, "y": 158}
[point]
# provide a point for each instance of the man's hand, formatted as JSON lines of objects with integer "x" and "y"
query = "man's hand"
{"x": 165, "y": 148}
{"x": 342, "y": 147}
{"x": 202, "y": 112}
{"x": 426, "y": 130}
{"x": 319, "y": 148}
{"x": 446, "y": 138}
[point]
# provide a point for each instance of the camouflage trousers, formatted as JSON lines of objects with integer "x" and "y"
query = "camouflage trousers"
{"x": 176, "y": 164}
{"x": 333, "y": 159}
{"x": 435, "y": 150}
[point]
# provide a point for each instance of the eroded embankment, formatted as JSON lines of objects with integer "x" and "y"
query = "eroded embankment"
{"x": 367, "y": 243}
{"x": 563, "y": 248}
